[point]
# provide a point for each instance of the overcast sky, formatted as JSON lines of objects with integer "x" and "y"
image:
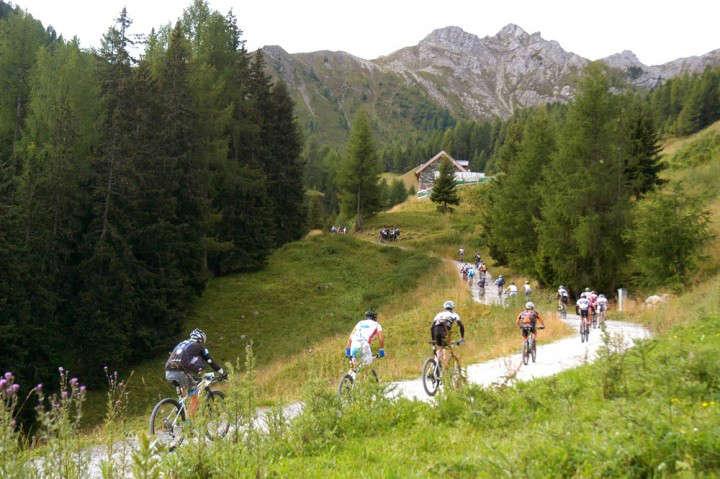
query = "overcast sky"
{"x": 657, "y": 31}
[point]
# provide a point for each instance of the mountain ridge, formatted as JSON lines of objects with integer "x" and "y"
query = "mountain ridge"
{"x": 451, "y": 73}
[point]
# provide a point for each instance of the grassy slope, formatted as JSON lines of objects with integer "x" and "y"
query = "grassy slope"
{"x": 310, "y": 290}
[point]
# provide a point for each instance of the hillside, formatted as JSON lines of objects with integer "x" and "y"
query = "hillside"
{"x": 450, "y": 74}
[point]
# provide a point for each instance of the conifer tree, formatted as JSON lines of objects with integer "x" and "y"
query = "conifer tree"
{"x": 443, "y": 192}
{"x": 358, "y": 175}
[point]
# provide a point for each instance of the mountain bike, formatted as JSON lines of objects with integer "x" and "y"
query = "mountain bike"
{"x": 594, "y": 319}
{"x": 347, "y": 382}
{"x": 168, "y": 417}
{"x": 584, "y": 330}
{"x": 529, "y": 349}
{"x": 562, "y": 308}
{"x": 432, "y": 371}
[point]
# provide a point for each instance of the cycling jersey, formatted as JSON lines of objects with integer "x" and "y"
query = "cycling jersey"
{"x": 191, "y": 357}
{"x": 500, "y": 281}
{"x": 602, "y": 303}
{"x": 562, "y": 293}
{"x": 365, "y": 331}
{"x": 528, "y": 318}
{"x": 583, "y": 303}
{"x": 441, "y": 325}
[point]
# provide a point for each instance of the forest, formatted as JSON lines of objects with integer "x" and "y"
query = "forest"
{"x": 129, "y": 175}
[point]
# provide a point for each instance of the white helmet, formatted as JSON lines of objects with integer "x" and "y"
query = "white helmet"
{"x": 529, "y": 305}
{"x": 198, "y": 335}
{"x": 449, "y": 305}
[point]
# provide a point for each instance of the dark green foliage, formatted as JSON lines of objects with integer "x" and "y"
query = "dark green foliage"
{"x": 358, "y": 175}
{"x": 397, "y": 192}
{"x": 668, "y": 232}
{"x": 125, "y": 183}
{"x": 687, "y": 103}
{"x": 443, "y": 192}
{"x": 643, "y": 163}
{"x": 511, "y": 219}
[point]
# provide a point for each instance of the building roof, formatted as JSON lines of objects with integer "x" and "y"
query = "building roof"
{"x": 435, "y": 158}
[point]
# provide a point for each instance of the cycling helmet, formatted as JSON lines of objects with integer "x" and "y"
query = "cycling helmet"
{"x": 449, "y": 305}
{"x": 198, "y": 335}
{"x": 370, "y": 314}
{"x": 561, "y": 287}
{"x": 529, "y": 305}
{"x": 587, "y": 290}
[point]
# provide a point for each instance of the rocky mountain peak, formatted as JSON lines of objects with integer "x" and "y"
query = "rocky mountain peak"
{"x": 451, "y": 37}
{"x": 624, "y": 59}
{"x": 511, "y": 31}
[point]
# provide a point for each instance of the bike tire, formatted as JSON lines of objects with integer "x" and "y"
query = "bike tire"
{"x": 533, "y": 350}
{"x": 374, "y": 376}
{"x": 430, "y": 379}
{"x": 218, "y": 428}
{"x": 525, "y": 352}
{"x": 163, "y": 422}
{"x": 345, "y": 386}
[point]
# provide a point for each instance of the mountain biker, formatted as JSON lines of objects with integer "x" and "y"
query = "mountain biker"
{"x": 511, "y": 290}
{"x": 602, "y": 303}
{"x": 363, "y": 334}
{"x": 481, "y": 284}
{"x": 583, "y": 307}
{"x": 470, "y": 273}
{"x": 478, "y": 260}
{"x": 527, "y": 289}
{"x": 187, "y": 360}
{"x": 441, "y": 326}
{"x": 500, "y": 282}
{"x": 585, "y": 293}
{"x": 563, "y": 297}
{"x": 527, "y": 320}
{"x": 461, "y": 254}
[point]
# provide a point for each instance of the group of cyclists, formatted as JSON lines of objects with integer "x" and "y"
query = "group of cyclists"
{"x": 191, "y": 357}
{"x": 389, "y": 233}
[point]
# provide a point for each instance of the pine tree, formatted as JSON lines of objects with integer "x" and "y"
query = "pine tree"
{"x": 585, "y": 201}
{"x": 443, "y": 192}
{"x": 643, "y": 161}
{"x": 510, "y": 220}
{"x": 358, "y": 176}
{"x": 398, "y": 193}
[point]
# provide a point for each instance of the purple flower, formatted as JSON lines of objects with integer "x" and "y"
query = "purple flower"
{"x": 15, "y": 388}
{"x": 64, "y": 394}
{"x": 38, "y": 388}
{"x": 82, "y": 389}
{"x": 73, "y": 382}
{"x": 8, "y": 376}
{"x": 3, "y": 383}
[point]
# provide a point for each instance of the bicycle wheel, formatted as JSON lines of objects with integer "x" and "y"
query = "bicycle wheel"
{"x": 525, "y": 352}
{"x": 533, "y": 349}
{"x": 345, "y": 386}
{"x": 430, "y": 376}
{"x": 219, "y": 421}
{"x": 166, "y": 422}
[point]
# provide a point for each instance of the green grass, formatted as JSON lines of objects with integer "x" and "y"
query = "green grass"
{"x": 310, "y": 290}
{"x": 651, "y": 412}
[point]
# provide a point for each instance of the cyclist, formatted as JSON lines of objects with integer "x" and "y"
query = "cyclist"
{"x": 186, "y": 363}
{"x": 461, "y": 254}
{"x": 602, "y": 303}
{"x": 481, "y": 284}
{"x": 528, "y": 319}
{"x": 363, "y": 334}
{"x": 470, "y": 274}
{"x": 500, "y": 282}
{"x": 583, "y": 306}
{"x": 585, "y": 293}
{"x": 527, "y": 289}
{"x": 441, "y": 326}
{"x": 511, "y": 290}
{"x": 478, "y": 260}
{"x": 563, "y": 297}
{"x": 592, "y": 297}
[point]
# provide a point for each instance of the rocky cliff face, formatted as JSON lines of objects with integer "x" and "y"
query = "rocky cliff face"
{"x": 449, "y": 71}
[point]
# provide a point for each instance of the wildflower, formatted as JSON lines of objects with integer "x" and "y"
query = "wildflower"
{"x": 15, "y": 388}
{"x": 39, "y": 387}
{"x": 61, "y": 369}
{"x": 73, "y": 382}
{"x": 3, "y": 383}
{"x": 82, "y": 389}
{"x": 64, "y": 394}
{"x": 8, "y": 376}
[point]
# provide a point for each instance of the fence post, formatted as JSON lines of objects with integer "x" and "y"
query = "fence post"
{"x": 622, "y": 294}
